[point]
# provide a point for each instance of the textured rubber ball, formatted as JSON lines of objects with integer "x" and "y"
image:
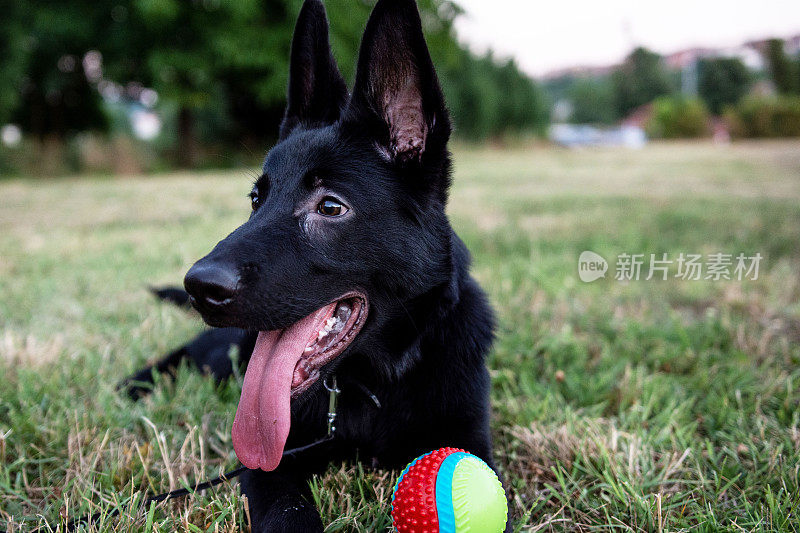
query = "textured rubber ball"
{"x": 449, "y": 491}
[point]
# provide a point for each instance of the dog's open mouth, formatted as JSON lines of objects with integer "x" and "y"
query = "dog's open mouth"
{"x": 336, "y": 334}
{"x": 284, "y": 364}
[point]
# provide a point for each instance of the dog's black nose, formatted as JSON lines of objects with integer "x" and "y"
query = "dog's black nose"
{"x": 211, "y": 284}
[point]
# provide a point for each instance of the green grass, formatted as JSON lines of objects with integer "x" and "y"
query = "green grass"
{"x": 647, "y": 406}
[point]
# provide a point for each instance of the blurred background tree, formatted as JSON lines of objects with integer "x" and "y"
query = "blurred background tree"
{"x": 640, "y": 79}
{"x": 785, "y": 72}
{"x": 197, "y": 55}
{"x": 593, "y": 101}
{"x": 722, "y": 82}
{"x": 12, "y": 58}
{"x": 52, "y": 95}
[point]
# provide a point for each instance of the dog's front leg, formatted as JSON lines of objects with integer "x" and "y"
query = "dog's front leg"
{"x": 280, "y": 502}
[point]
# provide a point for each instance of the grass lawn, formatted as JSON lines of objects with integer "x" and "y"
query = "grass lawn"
{"x": 643, "y": 405}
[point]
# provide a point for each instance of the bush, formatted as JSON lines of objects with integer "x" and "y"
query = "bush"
{"x": 759, "y": 116}
{"x": 676, "y": 117}
{"x": 786, "y": 119}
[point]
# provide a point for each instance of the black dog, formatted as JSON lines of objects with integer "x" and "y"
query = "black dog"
{"x": 347, "y": 266}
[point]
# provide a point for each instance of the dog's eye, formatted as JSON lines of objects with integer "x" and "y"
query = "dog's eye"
{"x": 331, "y": 207}
{"x": 255, "y": 201}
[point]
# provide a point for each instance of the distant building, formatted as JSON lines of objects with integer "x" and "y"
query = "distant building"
{"x": 750, "y": 53}
{"x": 791, "y": 45}
{"x": 581, "y": 71}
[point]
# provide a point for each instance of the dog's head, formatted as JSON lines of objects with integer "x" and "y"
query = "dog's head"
{"x": 348, "y": 232}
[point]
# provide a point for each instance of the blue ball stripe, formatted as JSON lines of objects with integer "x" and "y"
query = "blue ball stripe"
{"x": 444, "y": 492}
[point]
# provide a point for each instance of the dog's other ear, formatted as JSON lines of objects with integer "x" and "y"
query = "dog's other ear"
{"x": 396, "y": 93}
{"x": 317, "y": 92}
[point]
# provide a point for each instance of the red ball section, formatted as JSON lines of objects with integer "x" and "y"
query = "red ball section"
{"x": 415, "y": 498}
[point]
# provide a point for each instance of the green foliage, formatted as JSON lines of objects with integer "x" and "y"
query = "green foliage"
{"x": 785, "y": 73}
{"x": 52, "y": 93}
{"x": 471, "y": 96}
{"x": 13, "y": 55}
{"x": 761, "y": 116}
{"x": 639, "y": 80}
{"x": 522, "y": 105}
{"x": 489, "y": 99}
{"x": 192, "y": 47}
{"x": 678, "y": 117}
{"x": 593, "y": 101}
{"x": 722, "y": 82}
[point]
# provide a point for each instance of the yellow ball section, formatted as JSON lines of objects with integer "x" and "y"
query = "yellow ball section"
{"x": 479, "y": 501}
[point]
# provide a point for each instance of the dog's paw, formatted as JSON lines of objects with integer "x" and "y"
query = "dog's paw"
{"x": 291, "y": 515}
{"x": 138, "y": 385}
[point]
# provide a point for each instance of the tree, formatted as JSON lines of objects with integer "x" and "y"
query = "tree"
{"x": 592, "y": 102}
{"x": 470, "y": 95}
{"x": 524, "y": 106}
{"x": 195, "y": 52}
{"x": 639, "y": 80}
{"x": 52, "y": 94}
{"x": 488, "y": 98}
{"x": 781, "y": 68}
{"x": 722, "y": 82}
{"x": 13, "y": 58}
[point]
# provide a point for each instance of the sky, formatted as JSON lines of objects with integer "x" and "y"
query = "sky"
{"x": 545, "y": 36}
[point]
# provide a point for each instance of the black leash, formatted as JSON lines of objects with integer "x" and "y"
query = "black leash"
{"x": 72, "y": 525}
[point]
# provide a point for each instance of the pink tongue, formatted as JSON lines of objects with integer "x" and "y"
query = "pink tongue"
{"x": 263, "y": 417}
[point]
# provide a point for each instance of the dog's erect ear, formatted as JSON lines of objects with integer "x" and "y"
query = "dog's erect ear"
{"x": 317, "y": 92}
{"x": 396, "y": 89}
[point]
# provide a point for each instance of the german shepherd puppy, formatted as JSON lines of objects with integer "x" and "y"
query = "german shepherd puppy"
{"x": 347, "y": 267}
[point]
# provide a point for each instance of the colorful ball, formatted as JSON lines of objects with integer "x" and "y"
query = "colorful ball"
{"x": 449, "y": 491}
